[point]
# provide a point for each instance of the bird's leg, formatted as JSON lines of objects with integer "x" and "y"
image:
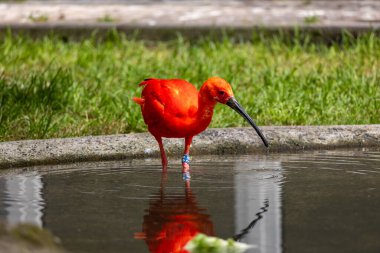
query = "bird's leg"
{"x": 164, "y": 160}
{"x": 186, "y": 159}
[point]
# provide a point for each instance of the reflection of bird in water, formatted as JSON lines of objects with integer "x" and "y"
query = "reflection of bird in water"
{"x": 172, "y": 220}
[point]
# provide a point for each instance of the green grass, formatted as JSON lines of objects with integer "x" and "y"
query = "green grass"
{"x": 52, "y": 88}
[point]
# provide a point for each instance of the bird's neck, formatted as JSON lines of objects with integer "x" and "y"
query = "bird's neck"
{"x": 206, "y": 106}
{"x": 203, "y": 116}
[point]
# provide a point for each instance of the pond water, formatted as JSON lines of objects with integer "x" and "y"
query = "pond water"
{"x": 325, "y": 201}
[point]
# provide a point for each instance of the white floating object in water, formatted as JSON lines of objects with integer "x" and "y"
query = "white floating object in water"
{"x": 202, "y": 243}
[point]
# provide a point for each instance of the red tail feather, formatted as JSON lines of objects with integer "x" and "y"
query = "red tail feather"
{"x": 139, "y": 101}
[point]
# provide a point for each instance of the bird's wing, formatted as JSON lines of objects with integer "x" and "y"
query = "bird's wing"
{"x": 181, "y": 98}
{"x": 168, "y": 99}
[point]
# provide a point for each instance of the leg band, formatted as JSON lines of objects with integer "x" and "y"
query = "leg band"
{"x": 186, "y": 158}
{"x": 185, "y": 167}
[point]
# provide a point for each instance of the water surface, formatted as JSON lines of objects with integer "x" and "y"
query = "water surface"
{"x": 325, "y": 201}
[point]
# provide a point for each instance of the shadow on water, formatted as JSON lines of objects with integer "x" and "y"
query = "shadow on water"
{"x": 325, "y": 201}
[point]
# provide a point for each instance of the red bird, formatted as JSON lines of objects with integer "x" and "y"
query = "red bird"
{"x": 173, "y": 108}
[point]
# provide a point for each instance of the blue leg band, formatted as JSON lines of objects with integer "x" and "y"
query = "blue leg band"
{"x": 186, "y": 159}
{"x": 185, "y": 171}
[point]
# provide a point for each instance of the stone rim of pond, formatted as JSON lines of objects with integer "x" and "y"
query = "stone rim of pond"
{"x": 217, "y": 141}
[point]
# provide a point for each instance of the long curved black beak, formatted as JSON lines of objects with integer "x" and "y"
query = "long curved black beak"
{"x": 239, "y": 109}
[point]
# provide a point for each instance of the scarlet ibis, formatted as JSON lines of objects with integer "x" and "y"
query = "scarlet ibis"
{"x": 173, "y": 108}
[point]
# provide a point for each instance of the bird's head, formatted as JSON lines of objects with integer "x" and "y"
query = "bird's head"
{"x": 219, "y": 90}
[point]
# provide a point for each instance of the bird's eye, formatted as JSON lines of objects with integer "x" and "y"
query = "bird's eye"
{"x": 221, "y": 92}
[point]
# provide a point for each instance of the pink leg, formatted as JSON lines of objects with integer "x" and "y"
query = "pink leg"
{"x": 186, "y": 158}
{"x": 188, "y": 141}
{"x": 164, "y": 160}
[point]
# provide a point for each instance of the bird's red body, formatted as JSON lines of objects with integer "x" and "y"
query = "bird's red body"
{"x": 174, "y": 108}
{"x": 171, "y": 108}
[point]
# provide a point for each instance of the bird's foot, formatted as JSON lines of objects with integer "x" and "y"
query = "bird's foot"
{"x": 186, "y": 167}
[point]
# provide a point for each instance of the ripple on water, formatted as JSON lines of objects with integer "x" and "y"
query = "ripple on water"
{"x": 99, "y": 207}
{"x": 354, "y": 162}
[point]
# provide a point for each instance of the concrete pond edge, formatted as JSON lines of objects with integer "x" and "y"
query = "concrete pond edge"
{"x": 211, "y": 142}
